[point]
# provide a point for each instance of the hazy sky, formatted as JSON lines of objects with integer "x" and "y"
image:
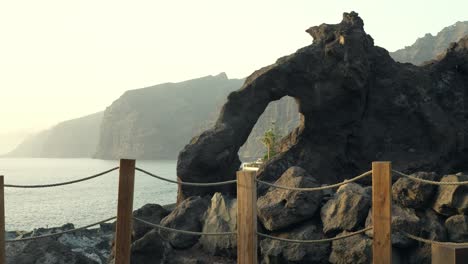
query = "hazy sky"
{"x": 63, "y": 59}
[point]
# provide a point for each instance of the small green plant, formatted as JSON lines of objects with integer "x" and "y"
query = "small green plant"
{"x": 270, "y": 140}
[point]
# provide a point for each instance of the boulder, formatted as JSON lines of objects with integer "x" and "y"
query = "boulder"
{"x": 403, "y": 220}
{"x": 188, "y": 216}
{"x": 220, "y": 217}
{"x": 431, "y": 226}
{"x": 352, "y": 250}
{"x": 152, "y": 213}
{"x": 278, "y": 252}
{"x": 151, "y": 248}
{"x": 413, "y": 194}
{"x": 46, "y": 251}
{"x": 452, "y": 199}
{"x": 419, "y": 255}
{"x": 347, "y": 210}
{"x": 356, "y": 104}
{"x": 280, "y": 208}
{"x": 457, "y": 228}
{"x": 195, "y": 255}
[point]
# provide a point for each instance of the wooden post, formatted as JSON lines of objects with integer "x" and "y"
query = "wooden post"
{"x": 381, "y": 212}
{"x": 445, "y": 254}
{"x": 123, "y": 232}
{"x": 246, "y": 217}
{"x": 2, "y": 221}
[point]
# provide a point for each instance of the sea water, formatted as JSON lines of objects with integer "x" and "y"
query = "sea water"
{"x": 80, "y": 203}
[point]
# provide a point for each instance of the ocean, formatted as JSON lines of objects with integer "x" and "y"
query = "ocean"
{"x": 80, "y": 203}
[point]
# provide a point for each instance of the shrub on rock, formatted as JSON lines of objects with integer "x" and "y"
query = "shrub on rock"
{"x": 280, "y": 208}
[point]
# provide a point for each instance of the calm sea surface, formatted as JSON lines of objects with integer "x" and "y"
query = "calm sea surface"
{"x": 81, "y": 203}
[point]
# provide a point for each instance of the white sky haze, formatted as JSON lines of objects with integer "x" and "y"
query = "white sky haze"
{"x": 62, "y": 59}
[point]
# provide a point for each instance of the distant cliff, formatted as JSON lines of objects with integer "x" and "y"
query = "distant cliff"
{"x": 75, "y": 138}
{"x": 155, "y": 122}
{"x": 428, "y": 47}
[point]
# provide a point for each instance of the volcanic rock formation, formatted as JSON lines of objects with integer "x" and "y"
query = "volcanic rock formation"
{"x": 357, "y": 105}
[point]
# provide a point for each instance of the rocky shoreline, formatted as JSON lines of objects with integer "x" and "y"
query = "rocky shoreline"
{"x": 81, "y": 247}
{"x": 434, "y": 212}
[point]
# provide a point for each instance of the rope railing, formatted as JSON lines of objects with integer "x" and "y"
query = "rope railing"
{"x": 324, "y": 240}
{"x": 365, "y": 174}
{"x": 199, "y": 184}
{"x": 60, "y": 233}
{"x": 429, "y": 181}
{"x": 247, "y": 220}
{"x": 429, "y": 241}
{"x": 186, "y": 232}
{"x": 61, "y": 183}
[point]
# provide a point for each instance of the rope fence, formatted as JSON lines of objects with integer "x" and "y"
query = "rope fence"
{"x": 429, "y": 181}
{"x": 199, "y": 184}
{"x": 186, "y": 232}
{"x": 61, "y": 183}
{"x": 246, "y": 215}
{"x": 60, "y": 233}
{"x": 324, "y": 240}
{"x": 365, "y": 174}
{"x": 429, "y": 241}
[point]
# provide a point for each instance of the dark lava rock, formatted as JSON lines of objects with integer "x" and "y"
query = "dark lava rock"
{"x": 452, "y": 199}
{"x": 150, "y": 248}
{"x": 195, "y": 255}
{"x": 45, "y": 231}
{"x": 457, "y": 228}
{"x": 280, "y": 208}
{"x": 347, "y": 210}
{"x": 403, "y": 220}
{"x": 278, "y": 252}
{"x": 47, "y": 251}
{"x": 152, "y": 213}
{"x": 352, "y": 250}
{"x": 414, "y": 194}
{"x": 188, "y": 215}
{"x": 432, "y": 226}
{"x": 357, "y": 105}
{"x": 87, "y": 244}
{"x": 220, "y": 217}
{"x": 419, "y": 255}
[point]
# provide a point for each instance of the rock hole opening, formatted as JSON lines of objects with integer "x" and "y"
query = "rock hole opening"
{"x": 282, "y": 115}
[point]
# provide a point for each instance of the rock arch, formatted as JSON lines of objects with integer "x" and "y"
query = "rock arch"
{"x": 356, "y": 102}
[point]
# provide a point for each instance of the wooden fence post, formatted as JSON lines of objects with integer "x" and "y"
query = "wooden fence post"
{"x": 123, "y": 232}
{"x": 382, "y": 212}
{"x": 2, "y": 221}
{"x": 445, "y": 254}
{"x": 246, "y": 217}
